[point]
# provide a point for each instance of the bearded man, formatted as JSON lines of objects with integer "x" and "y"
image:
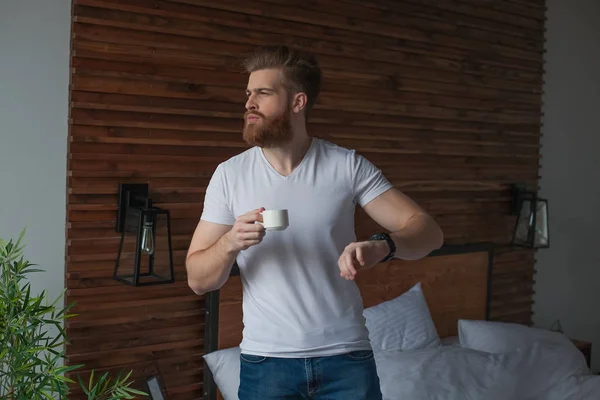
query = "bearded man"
{"x": 304, "y": 332}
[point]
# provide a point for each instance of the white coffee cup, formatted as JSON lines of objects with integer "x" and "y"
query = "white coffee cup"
{"x": 275, "y": 220}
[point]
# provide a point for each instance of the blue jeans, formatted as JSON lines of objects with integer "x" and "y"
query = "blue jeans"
{"x": 350, "y": 376}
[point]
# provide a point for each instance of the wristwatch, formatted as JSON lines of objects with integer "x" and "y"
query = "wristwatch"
{"x": 390, "y": 242}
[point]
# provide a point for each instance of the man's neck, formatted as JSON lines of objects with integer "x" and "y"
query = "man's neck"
{"x": 287, "y": 157}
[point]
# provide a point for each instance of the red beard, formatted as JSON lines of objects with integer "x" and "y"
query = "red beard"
{"x": 269, "y": 132}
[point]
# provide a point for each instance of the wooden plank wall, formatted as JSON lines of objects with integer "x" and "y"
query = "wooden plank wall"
{"x": 444, "y": 96}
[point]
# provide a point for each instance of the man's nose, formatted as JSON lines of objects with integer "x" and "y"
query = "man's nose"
{"x": 251, "y": 104}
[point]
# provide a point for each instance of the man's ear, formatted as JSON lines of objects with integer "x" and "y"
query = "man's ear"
{"x": 299, "y": 102}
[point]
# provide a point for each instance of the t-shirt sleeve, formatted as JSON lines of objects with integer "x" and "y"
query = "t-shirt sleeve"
{"x": 368, "y": 180}
{"x": 216, "y": 201}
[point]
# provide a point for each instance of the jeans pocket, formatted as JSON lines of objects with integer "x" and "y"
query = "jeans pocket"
{"x": 360, "y": 355}
{"x": 252, "y": 359}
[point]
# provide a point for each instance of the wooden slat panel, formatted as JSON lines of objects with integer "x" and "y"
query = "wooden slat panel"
{"x": 384, "y": 77}
{"x": 199, "y": 105}
{"x": 522, "y": 8}
{"x": 173, "y": 370}
{"x": 444, "y": 97}
{"x": 397, "y": 26}
{"x": 134, "y": 21}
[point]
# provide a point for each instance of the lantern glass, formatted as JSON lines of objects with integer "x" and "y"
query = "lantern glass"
{"x": 542, "y": 238}
{"x": 145, "y": 254}
{"x": 531, "y": 229}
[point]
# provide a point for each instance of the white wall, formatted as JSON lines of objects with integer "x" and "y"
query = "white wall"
{"x": 568, "y": 278}
{"x": 34, "y": 79}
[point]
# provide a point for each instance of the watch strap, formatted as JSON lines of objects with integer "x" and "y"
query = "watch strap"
{"x": 390, "y": 242}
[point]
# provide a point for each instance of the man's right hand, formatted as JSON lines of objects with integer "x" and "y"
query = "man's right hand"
{"x": 245, "y": 231}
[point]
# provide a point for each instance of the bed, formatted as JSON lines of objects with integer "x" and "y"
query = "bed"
{"x": 447, "y": 350}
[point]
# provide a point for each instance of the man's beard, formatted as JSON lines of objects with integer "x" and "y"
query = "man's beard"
{"x": 269, "y": 132}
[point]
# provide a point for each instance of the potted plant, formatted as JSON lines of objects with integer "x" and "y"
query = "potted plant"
{"x": 31, "y": 355}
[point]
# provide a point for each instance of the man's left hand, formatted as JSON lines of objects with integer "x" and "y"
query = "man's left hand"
{"x": 361, "y": 255}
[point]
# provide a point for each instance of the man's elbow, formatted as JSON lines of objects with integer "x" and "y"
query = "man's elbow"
{"x": 201, "y": 288}
{"x": 431, "y": 239}
{"x": 436, "y": 234}
{"x": 197, "y": 288}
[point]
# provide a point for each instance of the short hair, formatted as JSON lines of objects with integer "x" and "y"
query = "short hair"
{"x": 301, "y": 69}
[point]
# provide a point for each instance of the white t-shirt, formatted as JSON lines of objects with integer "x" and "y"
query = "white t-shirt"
{"x": 295, "y": 303}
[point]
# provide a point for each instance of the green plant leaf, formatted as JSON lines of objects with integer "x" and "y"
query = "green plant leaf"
{"x": 135, "y": 391}
{"x": 31, "y": 358}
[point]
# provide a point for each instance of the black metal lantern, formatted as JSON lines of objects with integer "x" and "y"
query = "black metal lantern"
{"x": 531, "y": 228}
{"x": 145, "y": 253}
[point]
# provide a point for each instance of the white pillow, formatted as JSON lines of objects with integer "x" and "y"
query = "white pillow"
{"x": 445, "y": 373}
{"x": 501, "y": 337}
{"x": 225, "y": 367}
{"x": 402, "y": 323}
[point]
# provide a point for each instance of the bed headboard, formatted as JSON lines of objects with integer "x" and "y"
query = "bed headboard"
{"x": 455, "y": 281}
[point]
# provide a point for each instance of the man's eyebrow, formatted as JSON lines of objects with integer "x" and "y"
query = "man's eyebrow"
{"x": 260, "y": 89}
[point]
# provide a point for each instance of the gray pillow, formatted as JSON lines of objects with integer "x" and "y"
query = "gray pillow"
{"x": 225, "y": 367}
{"x": 502, "y": 337}
{"x": 402, "y": 323}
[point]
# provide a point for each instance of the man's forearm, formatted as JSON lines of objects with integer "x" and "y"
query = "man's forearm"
{"x": 418, "y": 238}
{"x": 209, "y": 269}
